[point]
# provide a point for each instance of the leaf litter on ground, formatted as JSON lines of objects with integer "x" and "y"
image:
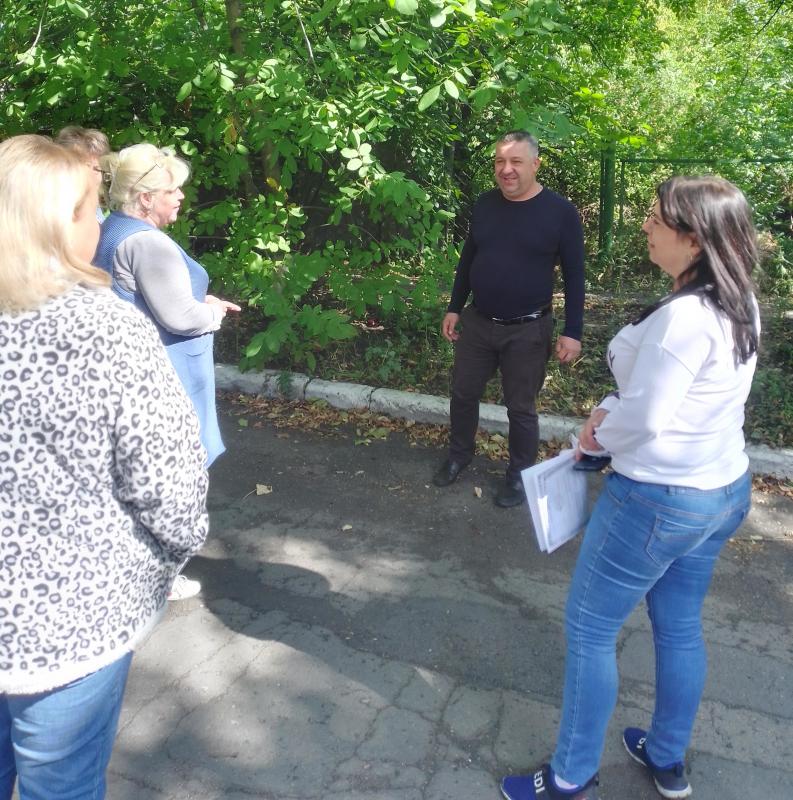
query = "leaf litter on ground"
{"x": 367, "y": 427}
{"x": 364, "y": 426}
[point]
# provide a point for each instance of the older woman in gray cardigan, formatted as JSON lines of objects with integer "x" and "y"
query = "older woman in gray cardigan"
{"x": 151, "y": 271}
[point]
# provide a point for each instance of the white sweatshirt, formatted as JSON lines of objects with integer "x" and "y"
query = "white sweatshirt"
{"x": 679, "y": 416}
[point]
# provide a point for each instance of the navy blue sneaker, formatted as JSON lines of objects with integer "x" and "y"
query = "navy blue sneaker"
{"x": 540, "y": 787}
{"x": 670, "y": 781}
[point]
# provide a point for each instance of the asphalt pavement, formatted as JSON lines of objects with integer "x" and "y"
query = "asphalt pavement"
{"x": 362, "y": 634}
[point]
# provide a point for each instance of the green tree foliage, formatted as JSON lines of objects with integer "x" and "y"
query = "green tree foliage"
{"x": 332, "y": 142}
{"x": 720, "y": 93}
{"x": 336, "y": 145}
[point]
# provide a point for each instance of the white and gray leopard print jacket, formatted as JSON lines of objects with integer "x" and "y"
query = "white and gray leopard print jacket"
{"x": 102, "y": 486}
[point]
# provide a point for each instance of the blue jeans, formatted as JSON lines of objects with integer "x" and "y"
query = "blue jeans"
{"x": 59, "y": 742}
{"x": 653, "y": 541}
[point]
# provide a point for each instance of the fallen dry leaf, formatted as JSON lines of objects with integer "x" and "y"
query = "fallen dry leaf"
{"x": 263, "y": 488}
{"x": 324, "y": 419}
{"x": 477, "y": 491}
{"x": 346, "y": 527}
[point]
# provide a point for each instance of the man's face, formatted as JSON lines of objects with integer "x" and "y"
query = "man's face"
{"x": 515, "y": 170}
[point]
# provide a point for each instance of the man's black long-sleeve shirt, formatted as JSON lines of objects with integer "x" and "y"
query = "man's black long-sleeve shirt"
{"x": 509, "y": 256}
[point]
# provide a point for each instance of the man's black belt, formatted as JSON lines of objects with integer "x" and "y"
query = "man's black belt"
{"x": 520, "y": 320}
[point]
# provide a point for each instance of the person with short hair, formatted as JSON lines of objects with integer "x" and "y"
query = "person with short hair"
{"x": 151, "y": 271}
{"x": 518, "y": 233}
{"x": 88, "y": 141}
{"x": 92, "y": 145}
{"x": 679, "y": 490}
{"x": 102, "y": 480}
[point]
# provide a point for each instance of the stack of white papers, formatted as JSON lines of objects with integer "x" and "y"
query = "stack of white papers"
{"x": 557, "y": 498}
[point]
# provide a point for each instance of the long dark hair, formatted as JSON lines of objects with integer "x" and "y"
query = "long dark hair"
{"x": 717, "y": 214}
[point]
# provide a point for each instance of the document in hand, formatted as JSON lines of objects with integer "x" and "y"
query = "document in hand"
{"x": 557, "y": 498}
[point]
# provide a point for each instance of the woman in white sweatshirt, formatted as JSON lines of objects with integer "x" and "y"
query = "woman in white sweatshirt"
{"x": 679, "y": 490}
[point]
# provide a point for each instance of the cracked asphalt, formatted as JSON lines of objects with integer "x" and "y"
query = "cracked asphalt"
{"x": 362, "y": 634}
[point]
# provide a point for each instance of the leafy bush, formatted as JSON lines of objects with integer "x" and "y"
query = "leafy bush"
{"x": 337, "y": 146}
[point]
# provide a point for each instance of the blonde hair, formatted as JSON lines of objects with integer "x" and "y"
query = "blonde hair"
{"x": 42, "y": 187}
{"x": 142, "y": 168}
{"x": 89, "y": 141}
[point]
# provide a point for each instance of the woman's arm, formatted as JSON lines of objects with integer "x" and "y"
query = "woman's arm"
{"x": 658, "y": 385}
{"x": 587, "y": 440}
{"x": 159, "y": 460}
{"x": 161, "y": 276}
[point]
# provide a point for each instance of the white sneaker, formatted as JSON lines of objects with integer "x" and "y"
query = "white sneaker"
{"x": 184, "y": 588}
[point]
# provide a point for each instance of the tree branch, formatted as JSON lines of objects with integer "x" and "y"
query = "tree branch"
{"x": 305, "y": 35}
{"x": 44, "y": 7}
{"x": 780, "y": 6}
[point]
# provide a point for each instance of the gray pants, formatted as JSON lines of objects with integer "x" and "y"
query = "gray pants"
{"x": 521, "y": 352}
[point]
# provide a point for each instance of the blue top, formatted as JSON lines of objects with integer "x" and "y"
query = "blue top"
{"x": 114, "y": 230}
{"x": 191, "y": 356}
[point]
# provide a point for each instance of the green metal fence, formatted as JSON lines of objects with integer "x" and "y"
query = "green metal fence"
{"x": 611, "y": 188}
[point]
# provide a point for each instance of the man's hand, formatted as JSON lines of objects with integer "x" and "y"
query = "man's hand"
{"x": 448, "y": 327}
{"x": 567, "y": 349}
{"x": 586, "y": 436}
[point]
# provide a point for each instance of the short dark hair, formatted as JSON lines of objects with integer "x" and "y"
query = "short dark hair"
{"x": 89, "y": 141}
{"x": 520, "y": 136}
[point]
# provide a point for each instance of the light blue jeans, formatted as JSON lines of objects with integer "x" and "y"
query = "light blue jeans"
{"x": 59, "y": 742}
{"x": 658, "y": 542}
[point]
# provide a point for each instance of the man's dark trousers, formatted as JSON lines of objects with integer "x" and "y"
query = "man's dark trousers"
{"x": 521, "y": 352}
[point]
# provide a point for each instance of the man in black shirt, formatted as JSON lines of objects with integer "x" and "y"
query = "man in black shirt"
{"x": 518, "y": 233}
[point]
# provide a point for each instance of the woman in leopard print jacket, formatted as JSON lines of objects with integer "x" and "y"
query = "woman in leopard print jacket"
{"x": 102, "y": 480}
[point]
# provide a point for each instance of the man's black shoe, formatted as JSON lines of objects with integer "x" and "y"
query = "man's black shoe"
{"x": 511, "y": 493}
{"x": 448, "y": 473}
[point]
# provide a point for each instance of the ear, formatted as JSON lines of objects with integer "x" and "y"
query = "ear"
{"x": 694, "y": 246}
{"x": 145, "y": 200}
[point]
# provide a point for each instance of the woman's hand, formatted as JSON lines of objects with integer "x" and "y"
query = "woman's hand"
{"x": 223, "y": 305}
{"x": 586, "y": 438}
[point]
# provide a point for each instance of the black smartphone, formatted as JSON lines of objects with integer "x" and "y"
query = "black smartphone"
{"x": 592, "y": 463}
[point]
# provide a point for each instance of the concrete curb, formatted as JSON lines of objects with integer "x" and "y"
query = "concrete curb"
{"x": 272, "y": 383}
